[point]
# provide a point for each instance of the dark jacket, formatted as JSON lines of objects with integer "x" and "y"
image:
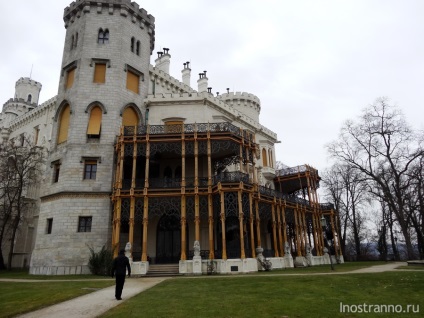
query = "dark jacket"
{"x": 120, "y": 264}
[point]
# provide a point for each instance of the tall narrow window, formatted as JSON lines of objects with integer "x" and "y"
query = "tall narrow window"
{"x": 264, "y": 159}
{"x": 22, "y": 139}
{"x": 94, "y": 123}
{"x": 36, "y": 134}
{"x": 70, "y": 74}
{"x": 64, "y": 124}
{"x": 137, "y": 48}
{"x": 72, "y": 42}
{"x": 103, "y": 37}
{"x": 49, "y": 226}
{"x": 99, "y": 73}
{"x": 29, "y": 98}
{"x": 90, "y": 169}
{"x": 56, "y": 172}
{"x": 132, "y": 44}
{"x": 76, "y": 40}
{"x": 133, "y": 81}
{"x": 84, "y": 223}
{"x": 129, "y": 117}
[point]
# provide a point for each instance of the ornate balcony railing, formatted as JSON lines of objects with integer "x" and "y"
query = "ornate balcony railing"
{"x": 293, "y": 170}
{"x": 188, "y": 129}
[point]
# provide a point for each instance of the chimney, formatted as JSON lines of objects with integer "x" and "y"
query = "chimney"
{"x": 186, "y": 73}
{"x": 202, "y": 82}
{"x": 163, "y": 61}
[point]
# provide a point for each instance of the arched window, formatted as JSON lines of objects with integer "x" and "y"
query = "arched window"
{"x": 64, "y": 124}
{"x": 103, "y": 36}
{"x": 137, "y": 49}
{"x": 29, "y": 98}
{"x": 264, "y": 158}
{"x": 94, "y": 123}
{"x": 76, "y": 39}
{"x": 132, "y": 44}
{"x": 129, "y": 117}
{"x": 72, "y": 42}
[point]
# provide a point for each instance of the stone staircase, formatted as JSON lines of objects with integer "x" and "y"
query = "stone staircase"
{"x": 163, "y": 270}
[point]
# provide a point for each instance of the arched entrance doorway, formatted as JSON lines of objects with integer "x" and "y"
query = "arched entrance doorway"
{"x": 168, "y": 242}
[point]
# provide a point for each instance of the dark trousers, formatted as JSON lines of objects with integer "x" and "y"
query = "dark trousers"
{"x": 120, "y": 280}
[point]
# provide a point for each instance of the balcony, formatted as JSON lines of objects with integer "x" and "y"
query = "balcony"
{"x": 268, "y": 172}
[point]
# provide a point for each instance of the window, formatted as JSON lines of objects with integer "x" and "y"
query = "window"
{"x": 36, "y": 134}
{"x": 90, "y": 169}
{"x": 64, "y": 124}
{"x": 70, "y": 75}
{"x": 137, "y": 48}
{"x": 72, "y": 42}
{"x": 132, "y": 44}
{"x": 76, "y": 40}
{"x": 22, "y": 139}
{"x": 56, "y": 171}
{"x": 173, "y": 127}
{"x": 129, "y": 117}
{"x": 94, "y": 123}
{"x": 29, "y": 98}
{"x": 99, "y": 73}
{"x": 264, "y": 159}
{"x": 49, "y": 226}
{"x": 132, "y": 81}
{"x": 84, "y": 223}
{"x": 103, "y": 37}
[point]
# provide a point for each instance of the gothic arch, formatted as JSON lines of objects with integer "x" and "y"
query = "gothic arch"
{"x": 59, "y": 109}
{"x": 135, "y": 109}
{"x": 96, "y": 103}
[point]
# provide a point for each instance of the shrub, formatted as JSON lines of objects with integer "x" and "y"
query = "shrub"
{"x": 100, "y": 263}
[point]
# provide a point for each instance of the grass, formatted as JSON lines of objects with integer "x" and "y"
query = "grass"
{"x": 264, "y": 294}
{"x": 20, "y": 297}
{"x": 275, "y": 296}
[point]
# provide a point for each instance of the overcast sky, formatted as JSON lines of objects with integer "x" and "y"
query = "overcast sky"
{"x": 313, "y": 64}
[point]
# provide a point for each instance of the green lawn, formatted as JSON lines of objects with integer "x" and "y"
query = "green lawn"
{"x": 276, "y": 296}
{"x": 265, "y": 294}
{"x": 17, "y": 298}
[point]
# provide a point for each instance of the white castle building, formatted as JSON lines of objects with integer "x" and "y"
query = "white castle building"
{"x": 138, "y": 156}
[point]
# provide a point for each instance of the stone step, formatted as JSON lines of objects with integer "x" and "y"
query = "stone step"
{"x": 163, "y": 270}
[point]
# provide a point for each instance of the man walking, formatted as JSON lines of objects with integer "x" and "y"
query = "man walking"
{"x": 119, "y": 268}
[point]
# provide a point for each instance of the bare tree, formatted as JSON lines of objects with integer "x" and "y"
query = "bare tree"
{"x": 20, "y": 169}
{"x": 348, "y": 190}
{"x": 382, "y": 148}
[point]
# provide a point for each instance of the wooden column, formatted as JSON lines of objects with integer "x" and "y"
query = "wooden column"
{"x": 196, "y": 218}
{"x": 298, "y": 232}
{"x": 279, "y": 224}
{"x": 183, "y": 228}
{"x": 274, "y": 230}
{"x": 240, "y": 211}
{"x": 283, "y": 215}
{"x": 116, "y": 227}
{"x": 258, "y": 224}
{"x": 223, "y": 228}
{"x": 145, "y": 224}
{"x": 211, "y": 224}
{"x": 252, "y": 227}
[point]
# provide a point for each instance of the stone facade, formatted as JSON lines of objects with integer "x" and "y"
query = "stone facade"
{"x": 120, "y": 35}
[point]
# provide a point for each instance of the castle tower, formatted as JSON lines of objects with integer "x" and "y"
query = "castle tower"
{"x": 27, "y": 92}
{"x": 103, "y": 84}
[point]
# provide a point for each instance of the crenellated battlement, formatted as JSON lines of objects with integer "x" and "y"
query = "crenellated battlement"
{"x": 27, "y": 80}
{"x": 125, "y": 8}
{"x": 20, "y": 101}
{"x": 22, "y": 120}
{"x": 165, "y": 79}
{"x": 242, "y": 99}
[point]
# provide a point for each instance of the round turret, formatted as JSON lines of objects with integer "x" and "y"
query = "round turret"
{"x": 27, "y": 90}
{"x": 246, "y": 103}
